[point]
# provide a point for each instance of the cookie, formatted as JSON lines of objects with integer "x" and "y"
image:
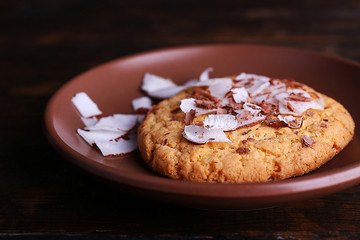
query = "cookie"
{"x": 255, "y": 129}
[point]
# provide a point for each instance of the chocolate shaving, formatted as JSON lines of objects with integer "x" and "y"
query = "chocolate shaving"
{"x": 243, "y": 150}
{"x": 141, "y": 110}
{"x": 221, "y": 111}
{"x": 207, "y": 104}
{"x": 307, "y": 141}
{"x": 314, "y": 95}
{"x": 189, "y": 116}
{"x": 249, "y": 84}
{"x": 229, "y": 94}
{"x": 274, "y": 81}
{"x": 246, "y": 132}
{"x": 326, "y": 120}
{"x": 273, "y": 121}
{"x": 298, "y": 97}
{"x": 204, "y": 95}
{"x": 291, "y": 83}
{"x": 201, "y": 124}
{"x": 245, "y": 115}
{"x": 153, "y": 109}
{"x": 310, "y": 113}
{"x": 290, "y": 107}
{"x": 248, "y": 140}
{"x": 235, "y": 106}
{"x": 296, "y": 123}
{"x": 176, "y": 110}
{"x": 268, "y": 108}
{"x": 164, "y": 141}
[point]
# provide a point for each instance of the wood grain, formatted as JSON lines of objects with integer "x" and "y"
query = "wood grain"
{"x": 45, "y": 43}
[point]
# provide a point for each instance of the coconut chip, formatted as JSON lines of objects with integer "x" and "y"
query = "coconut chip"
{"x": 116, "y": 122}
{"x": 239, "y": 94}
{"x": 225, "y": 122}
{"x": 85, "y": 105}
{"x": 141, "y": 103}
{"x": 220, "y": 87}
{"x": 118, "y": 147}
{"x": 89, "y": 121}
{"x": 287, "y": 104}
{"x": 202, "y": 135}
{"x": 99, "y": 135}
{"x": 205, "y": 74}
{"x": 188, "y": 104}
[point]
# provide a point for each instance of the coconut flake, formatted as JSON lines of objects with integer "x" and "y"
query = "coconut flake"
{"x": 225, "y": 122}
{"x": 89, "y": 121}
{"x": 205, "y": 74}
{"x": 152, "y": 82}
{"x": 116, "y": 122}
{"x": 117, "y": 147}
{"x": 296, "y": 108}
{"x": 189, "y": 103}
{"x": 220, "y": 87}
{"x": 239, "y": 94}
{"x": 99, "y": 135}
{"x": 166, "y": 92}
{"x": 247, "y": 76}
{"x": 257, "y": 87}
{"x": 202, "y": 135}
{"x": 85, "y": 105}
{"x": 141, "y": 102}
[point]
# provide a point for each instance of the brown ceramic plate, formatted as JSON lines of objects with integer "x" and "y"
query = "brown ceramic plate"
{"x": 113, "y": 85}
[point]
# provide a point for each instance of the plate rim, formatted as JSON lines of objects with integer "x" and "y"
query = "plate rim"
{"x": 350, "y": 174}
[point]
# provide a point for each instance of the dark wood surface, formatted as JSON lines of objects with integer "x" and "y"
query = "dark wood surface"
{"x": 43, "y": 44}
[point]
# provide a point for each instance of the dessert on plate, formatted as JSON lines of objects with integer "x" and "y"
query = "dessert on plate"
{"x": 244, "y": 128}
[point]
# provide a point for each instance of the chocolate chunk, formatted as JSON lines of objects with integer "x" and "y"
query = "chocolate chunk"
{"x": 246, "y": 132}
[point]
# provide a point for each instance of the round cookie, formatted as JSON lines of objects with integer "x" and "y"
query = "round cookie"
{"x": 256, "y": 153}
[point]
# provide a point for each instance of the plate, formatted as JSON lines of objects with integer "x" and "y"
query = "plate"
{"x": 113, "y": 85}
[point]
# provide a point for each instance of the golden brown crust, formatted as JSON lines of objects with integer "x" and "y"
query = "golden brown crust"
{"x": 257, "y": 153}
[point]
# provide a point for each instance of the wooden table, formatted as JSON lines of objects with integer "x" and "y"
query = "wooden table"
{"x": 45, "y": 43}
